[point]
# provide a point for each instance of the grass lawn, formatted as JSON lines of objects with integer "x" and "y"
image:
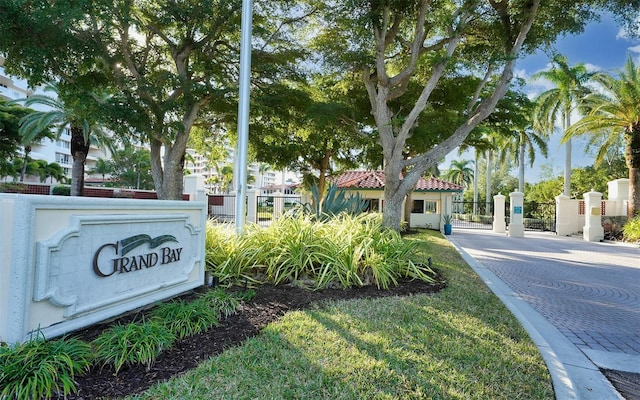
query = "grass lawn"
{"x": 460, "y": 343}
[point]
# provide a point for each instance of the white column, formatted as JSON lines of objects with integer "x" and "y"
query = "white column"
{"x": 252, "y": 205}
{"x": 499, "y": 224}
{"x": 593, "y": 230}
{"x": 564, "y": 213}
{"x": 192, "y": 184}
{"x": 619, "y": 192}
{"x": 278, "y": 204}
{"x": 516, "y": 227}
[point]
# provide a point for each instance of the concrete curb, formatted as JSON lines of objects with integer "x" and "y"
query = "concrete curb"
{"x": 573, "y": 374}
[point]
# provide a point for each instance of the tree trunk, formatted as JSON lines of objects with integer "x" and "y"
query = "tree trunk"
{"x": 27, "y": 150}
{"x": 487, "y": 200}
{"x": 79, "y": 152}
{"x": 392, "y": 211}
{"x": 632, "y": 154}
{"x": 475, "y": 184}
{"x": 567, "y": 157}
{"x": 521, "y": 165}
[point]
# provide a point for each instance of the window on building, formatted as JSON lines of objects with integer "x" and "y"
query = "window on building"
{"x": 424, "y": 206}
{"x": 418, "y": 207}
{"x": 372, "y": 205}
{"x": 63, "y": 158}
{"x": 63, "y": 143}
{"x": 431, "y": 206}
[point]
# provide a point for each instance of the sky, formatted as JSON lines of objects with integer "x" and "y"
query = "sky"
{"x": 603, "y": 46}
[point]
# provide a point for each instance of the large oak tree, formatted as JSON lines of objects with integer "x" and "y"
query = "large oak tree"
{"x": 165, "y": 65}
{"x": 393, "y": 43}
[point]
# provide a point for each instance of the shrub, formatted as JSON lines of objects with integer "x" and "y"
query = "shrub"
{"x": 219, "y": 301}
{"x": 134, "y": 343}
{"x": 631, "y": 230}
{"x": 344, "y": 250}
{"x": 12, "y": 187}
{"x": 334, "y": 202}
{"x": 185, "y": 319}
{"x": 61, "y": 190}
{"x": 39, "y": 369}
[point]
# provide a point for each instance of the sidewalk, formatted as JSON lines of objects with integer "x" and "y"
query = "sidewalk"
{"x": 579, "y": 301}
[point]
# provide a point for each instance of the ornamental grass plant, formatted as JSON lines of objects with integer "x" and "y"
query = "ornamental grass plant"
{"x": 41, "y": 369}
{"x": 631, "y": 230}
{"x": 133, "y": 343}
{"x": 344, "y": 251}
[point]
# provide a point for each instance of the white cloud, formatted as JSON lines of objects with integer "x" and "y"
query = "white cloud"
{"x": 635, "y": 49}
{"x": 592, "y": 67}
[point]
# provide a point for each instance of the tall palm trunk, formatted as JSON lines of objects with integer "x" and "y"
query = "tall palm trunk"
{"x": 632, "y": 150}
{"x": 23, "y": 172}
{"x": 521, "y": 165}
{"x": 79, "y": 152}
{"x": 475, "y": 184}
{"x": 487, "y": 210}
{"x": 567, "y": 156}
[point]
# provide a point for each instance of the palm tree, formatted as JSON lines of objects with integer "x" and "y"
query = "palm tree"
{"x": 102, "y": 167}
{"x": 55, "y": 171}
{"x": 61, "y": 115}
{"x": 615, "y": 112}
{"x": 561, "y": 102}
{"x": 460, "y": 172}
{"x": 480, "y": 143}
{"x": 525, "y": 145}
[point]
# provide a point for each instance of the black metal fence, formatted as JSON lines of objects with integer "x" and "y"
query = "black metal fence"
{"x": 271, "y": 207}
{"x": 539, "y": 216}
{"x": 536, "y": 216}
{"x": 472, "y": 215}
{"x": 222, "y": 208}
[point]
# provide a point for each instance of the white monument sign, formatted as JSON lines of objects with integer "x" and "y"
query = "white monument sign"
{"x": 66, "y": 263}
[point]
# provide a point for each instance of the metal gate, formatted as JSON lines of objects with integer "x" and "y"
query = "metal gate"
{"x": 539, "y": 216}
{"x": 472, "y": 215}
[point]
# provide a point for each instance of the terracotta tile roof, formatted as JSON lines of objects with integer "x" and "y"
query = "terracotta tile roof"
{"x": 375, "y": 180}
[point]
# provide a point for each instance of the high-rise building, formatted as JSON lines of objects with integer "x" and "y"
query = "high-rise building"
{"x": 56, "y": 150}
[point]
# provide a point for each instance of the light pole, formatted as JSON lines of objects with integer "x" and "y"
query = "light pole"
{"x": 243, "y": 114}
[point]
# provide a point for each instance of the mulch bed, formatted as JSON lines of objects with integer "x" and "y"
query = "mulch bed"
{"x": 269, "y": 304}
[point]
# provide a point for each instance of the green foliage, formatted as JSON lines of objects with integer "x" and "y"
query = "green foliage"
{"x": 134, "y": 343}
{"x": 583, "y": 180}
{"x": 60, "y": 190}
{"x": 447, "y": 218}
{"x": 335, "y": 202}
{"x": 10, "y": 139}
{"x": 185, "y": 318}
{"x": 631, "y": 230}
{"x": 220, "y": 301}
{"x": 344, "y": 251}
{"x": 41, "y": 369}
{"x": 12, "y": 187}
{"x": 131, "y": 168}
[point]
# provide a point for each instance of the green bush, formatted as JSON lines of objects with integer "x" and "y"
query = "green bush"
{"x": 343, "y": 251}
{"x": 41, "y": 369}
{"x": 631, "y": 230}
{"x": 221, "y": 302}
{"x": 334, "y": 202}
{"x": 134, "y": 343}
{"x": 61, "y": 190}
{"x": 185, "y": 319}
{"x": 12, "y": 187}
